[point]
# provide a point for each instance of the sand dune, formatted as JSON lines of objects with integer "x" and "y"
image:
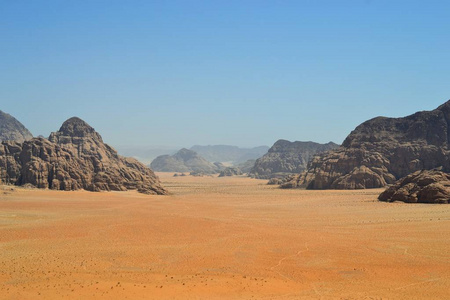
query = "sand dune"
{"x": 221, "y": 238}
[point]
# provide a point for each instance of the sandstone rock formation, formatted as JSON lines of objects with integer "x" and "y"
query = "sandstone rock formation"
{"x": 230, "y": 171}
{"x": 382, "y": 150}
{"x": 74, "y": 158}
{"x": 183, "y": 161}
{"x": 12, "y": 130}
{"x": 427, "y": 186}
{"x": 285, "y": 158}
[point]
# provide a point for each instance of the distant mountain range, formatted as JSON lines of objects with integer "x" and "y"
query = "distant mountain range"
{"x": 184, "y": 160}
{"x": 232, "y": 154}
{"x": 145, "y": 154}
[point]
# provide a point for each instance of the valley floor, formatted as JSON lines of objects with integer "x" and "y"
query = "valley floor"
{"x": 221, "y": 238}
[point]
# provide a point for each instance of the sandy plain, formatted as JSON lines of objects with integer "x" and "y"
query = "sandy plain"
{"x": 221, "y": 238}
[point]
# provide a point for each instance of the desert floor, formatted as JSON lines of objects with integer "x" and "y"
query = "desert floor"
{"x": 221, "y": 238}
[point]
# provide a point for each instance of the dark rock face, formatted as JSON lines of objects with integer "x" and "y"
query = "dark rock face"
{"x": 12, "y": 130}
{"x": 286, "y": 158}
{"x": 183, "y": 161}
{"x": 428, "y": 186}
{"x": 381, "y": 150}
{"x": 230, "y": 171}
{"x": 74, "y": 158}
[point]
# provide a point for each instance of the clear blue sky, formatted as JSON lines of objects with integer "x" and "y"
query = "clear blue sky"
{"x": 246, "y": 73}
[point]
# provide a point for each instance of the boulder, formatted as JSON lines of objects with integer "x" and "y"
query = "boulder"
{"x": 426, "y": 186}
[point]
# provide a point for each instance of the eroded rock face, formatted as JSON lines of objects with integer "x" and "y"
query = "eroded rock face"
{"x": 184, "y": 160}
{"x": 382, "y": 150}
{"x": 12, "y": 130}
{"x": 285, "y": 158}
{"x": 74, "y": 158}
{"x": 430, "y": 186}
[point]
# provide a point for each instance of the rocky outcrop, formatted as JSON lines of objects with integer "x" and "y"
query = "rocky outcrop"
{"x": 74, "y": 158}
{"x": 230, "y": 171}
{"x": 285, "y": 158}
{"x": 382, "y": 150}
{"x": 183, "y": 161}
{"x": 12, "y": 130}
{"x": 427, "y": 186}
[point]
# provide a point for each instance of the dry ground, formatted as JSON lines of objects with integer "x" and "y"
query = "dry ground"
{"x": 221, "y": 238}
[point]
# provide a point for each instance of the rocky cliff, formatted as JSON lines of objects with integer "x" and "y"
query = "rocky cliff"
{"x": 184, "y": 160}
{"x": 382, "y": 150}
{"x": 73, "y": 158}
{"x": 286, "y": 157}
{"x": 12, "y": 130}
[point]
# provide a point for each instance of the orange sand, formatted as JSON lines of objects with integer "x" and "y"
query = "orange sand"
{"x": 221, "y": 238}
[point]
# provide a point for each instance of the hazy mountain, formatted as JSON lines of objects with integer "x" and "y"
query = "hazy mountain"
{"x": 145, "y": 154}
{"x": 12, "y": 130}
{"x": 184, "y": 160}
{"x": 226, "y": 153}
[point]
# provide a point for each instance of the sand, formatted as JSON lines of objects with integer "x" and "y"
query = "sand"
{"x": 221, "y": 238}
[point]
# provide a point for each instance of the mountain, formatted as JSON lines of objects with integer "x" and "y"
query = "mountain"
{"x": 12, "y": 130}
{"x": 225, "y": 153}
{"x": 184, "y": 160}
{"x": 246, "y": 166}
{"x": 286, "y": 157}
{"x": 382, "y": 150}
{"x": 145, "y": 154}
{"x": 73, "y": 158}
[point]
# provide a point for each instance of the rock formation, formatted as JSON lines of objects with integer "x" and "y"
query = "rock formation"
{"x": 285, "y": 158}
{"x": 382, "y": 150}
{"x": 427, "y": 186}
{"x": 12, "y": 130}
{"x": 183, "y": 161}
{"x": 230, "y": 171}
{"x": 74, "y": 158}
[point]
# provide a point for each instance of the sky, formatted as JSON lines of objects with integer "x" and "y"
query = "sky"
{"x": 245, "y": 73}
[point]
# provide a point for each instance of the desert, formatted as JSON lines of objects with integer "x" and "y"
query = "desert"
{"x": 224, "y": 150}
{"x": 221, "y": 238}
